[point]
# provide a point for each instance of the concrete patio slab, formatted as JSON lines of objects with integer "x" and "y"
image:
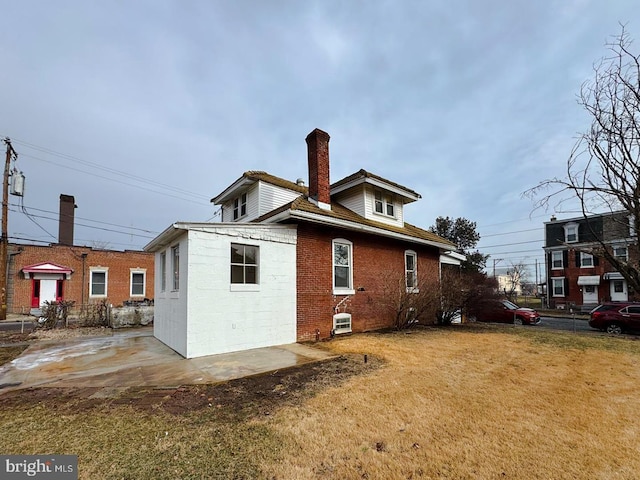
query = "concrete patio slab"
{"x": 134, "y": 358}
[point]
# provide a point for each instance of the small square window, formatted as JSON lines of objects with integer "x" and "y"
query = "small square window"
{"x": 244, "y": 264}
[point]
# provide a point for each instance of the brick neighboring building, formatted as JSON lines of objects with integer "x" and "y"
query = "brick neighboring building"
{"x": 576, "y": 274}
{"x": 290, "y": 262}
{"x": 66, "y": 272}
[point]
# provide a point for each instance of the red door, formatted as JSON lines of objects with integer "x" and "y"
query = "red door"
{"x": 59, "y": 291}
{"x": 35, "y": 293}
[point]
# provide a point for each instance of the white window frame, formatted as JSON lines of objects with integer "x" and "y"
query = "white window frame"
{"x": 163, "y": 272}
{"x": 175, "y": 268}
{"x": 625, "y": 257}
{"x": 348, "y": 290}
{"x": 553, "y": 286}
{"x": 413, "y": 273}
{"x": 584, "y": 257}
{"x": 385, "y": 202}
{"x": 571, "y": 229}
{"x": 138, "y": 271}
{"x": 244, "y": 286}
{"x": 340, "y": 322}
{"x": 554, "y": 254}
{"x": 240, "y": 206}
{"x": 104, "y": 270}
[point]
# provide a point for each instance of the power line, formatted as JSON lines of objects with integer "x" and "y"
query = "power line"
{"x": 109, "y": 169}
{"x": 510, "y": 244}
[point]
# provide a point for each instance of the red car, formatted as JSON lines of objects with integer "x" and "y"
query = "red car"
{"x": 505, "y": 311}
{"x": 616, "y": 317}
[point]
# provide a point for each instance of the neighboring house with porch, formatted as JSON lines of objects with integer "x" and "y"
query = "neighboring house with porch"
{"x": 63, "y": 271}
{"x": 290, "y": 262}
{"x": 576, "y": 274}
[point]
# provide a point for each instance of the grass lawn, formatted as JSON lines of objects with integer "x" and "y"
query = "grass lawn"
{"x": 473, "y": 401}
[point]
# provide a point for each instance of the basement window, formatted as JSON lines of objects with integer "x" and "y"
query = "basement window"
{"x": 342, "y": 323}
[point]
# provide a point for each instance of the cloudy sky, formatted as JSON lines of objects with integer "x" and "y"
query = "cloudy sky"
{"x": 145, "y": 110}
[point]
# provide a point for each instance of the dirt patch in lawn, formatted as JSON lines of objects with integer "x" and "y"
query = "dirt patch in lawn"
{"x": 249, "y": 396}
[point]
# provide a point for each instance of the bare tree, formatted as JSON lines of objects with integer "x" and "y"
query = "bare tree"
{"x": 603, "y": 169}
{"x": 417, "y": 303}
{"x": 516, "y": 276}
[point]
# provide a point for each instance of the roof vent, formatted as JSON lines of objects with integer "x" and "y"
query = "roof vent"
{"x": 300, "y": 182}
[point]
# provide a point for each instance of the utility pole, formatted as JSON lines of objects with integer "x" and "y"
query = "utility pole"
{"x": 4, "y": 240}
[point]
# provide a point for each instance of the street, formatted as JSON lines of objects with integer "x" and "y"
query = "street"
{"x": 566, "y": 324}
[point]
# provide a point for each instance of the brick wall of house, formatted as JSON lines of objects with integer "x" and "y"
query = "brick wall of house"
{"x": 572, "y": 270}
{"x": 76, "y": 288}
{"x": 376, "y": 262}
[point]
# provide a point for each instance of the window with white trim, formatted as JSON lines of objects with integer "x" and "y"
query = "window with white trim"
{"x": 163, "y": 272}
{"x": 586, "y": 260}
{"x": 557, "y": 287}
{"x": 175, "y": 267}
{"x": 383, "y": 204}
{"x": 240, "y": 206}
{"x": 411, "y": 270}
{"x": 571, "y": 232}
{"x": 244, "y": 264}
{"x": 621, "y": 253}
{"x": 556, "y": 260}
{"x": 138, "y": 282}
{"x": 98, "y": 277}
{"x": 342, "y": 323}
{"x": 342, "y": 267}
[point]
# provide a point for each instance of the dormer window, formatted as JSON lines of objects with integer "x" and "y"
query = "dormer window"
{"x": 571, "y": 232}
{"x": 384, "y": 204}
{"x": 240, "y": 206}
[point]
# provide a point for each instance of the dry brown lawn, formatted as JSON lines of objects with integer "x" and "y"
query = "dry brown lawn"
{"x": 472, "y": 402}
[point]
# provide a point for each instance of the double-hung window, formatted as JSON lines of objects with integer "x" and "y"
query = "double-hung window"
{"x": 98, "y": 282}
{"x": 556, "y": 260}
{"x": 383, "y": 204}
{"x": 240, "y": 206}
{"x": 175, "y": 267}
{"x": 571, "y": 232}
{"x": 138, "y": 282}
{"x": 163, "y": 272}
{"x": 411, "y": 270}
{"x": 244, "y": 264}
{"x": 342, "y": 267}
{"x": 620, "y": 253}
{"x": 557, "y": 287}
{"x": 586, "y": 259}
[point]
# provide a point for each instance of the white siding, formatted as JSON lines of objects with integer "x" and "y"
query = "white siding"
{"x": 371, "y": 214}
{"x": 261, "y": 198}
{"x": 170, "y": 308}
{"x": 354, "y": 200}
{"x": 272, "y": 197}
{"x": 221, "y": 320}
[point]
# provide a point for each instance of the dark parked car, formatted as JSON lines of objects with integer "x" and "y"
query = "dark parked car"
{"x": 616, "y": 317}
{"x": 506, "y": 312}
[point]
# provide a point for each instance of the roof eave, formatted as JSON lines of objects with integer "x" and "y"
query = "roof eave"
{"x": 231, "y": 191}
{"x": 408, "y": 195}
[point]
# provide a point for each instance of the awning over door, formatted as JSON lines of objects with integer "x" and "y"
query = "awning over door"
{"x": 48, "y": 269}
{"x": 613, "y": 276}
{"x": 589, "y": 280}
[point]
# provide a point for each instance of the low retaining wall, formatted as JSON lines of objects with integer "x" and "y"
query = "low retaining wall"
{"x": 131, "y": 316}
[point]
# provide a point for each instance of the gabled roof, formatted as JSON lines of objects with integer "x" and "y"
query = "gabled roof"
{"x": 253, "y": 176}
{"x": 47, "y": 267}
{"x": 302, "y": 209}
{"x": 362, "y": 176}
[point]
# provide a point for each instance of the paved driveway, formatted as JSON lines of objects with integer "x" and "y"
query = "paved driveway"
{"x": 134, "y": 358}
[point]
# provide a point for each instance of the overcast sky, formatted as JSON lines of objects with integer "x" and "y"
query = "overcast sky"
{"x": 145, "y": 110}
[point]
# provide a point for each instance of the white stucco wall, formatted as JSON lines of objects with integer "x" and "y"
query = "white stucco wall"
{"x": 226, "y": 318}
{"x": 170, "y": 311}
{"x": 209, "y": 315}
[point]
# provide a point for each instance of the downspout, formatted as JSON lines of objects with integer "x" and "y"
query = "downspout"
{"x": 84, "y": 258}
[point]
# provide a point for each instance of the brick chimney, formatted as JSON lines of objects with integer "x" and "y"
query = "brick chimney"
{"x": 65, "y": 223}
{"x": 318, "y": 156}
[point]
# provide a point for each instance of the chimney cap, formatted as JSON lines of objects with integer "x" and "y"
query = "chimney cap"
{"x": 316, "y": 132}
